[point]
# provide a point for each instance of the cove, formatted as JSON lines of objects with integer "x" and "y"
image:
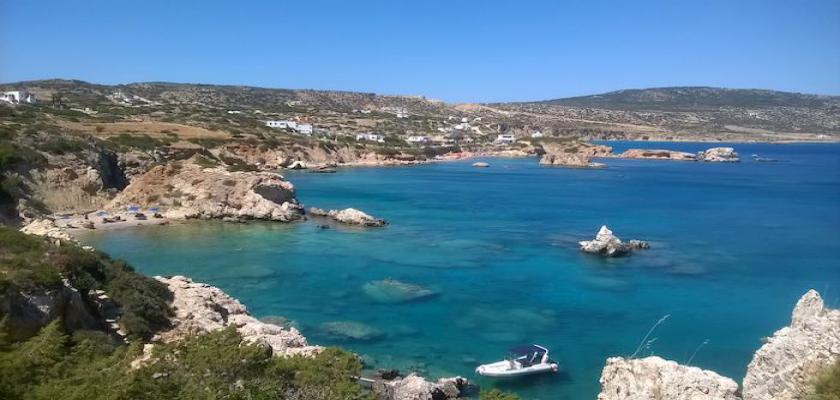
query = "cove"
{"x": 733, "y": 247}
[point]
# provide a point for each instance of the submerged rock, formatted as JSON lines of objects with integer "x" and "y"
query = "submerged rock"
{"x": 718, "y": 154}
{"x": 394, "y": 291}
{"x": 607, "y": 244}
{"x": 783, "y": 367}
{"x": 350, "y": 330}
{"x": 656, "y": 378}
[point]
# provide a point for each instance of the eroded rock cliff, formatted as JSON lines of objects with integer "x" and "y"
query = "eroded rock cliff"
{"x": 654, "y": 378}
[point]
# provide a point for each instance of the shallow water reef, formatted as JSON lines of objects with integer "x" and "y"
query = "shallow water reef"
{"x": 391, "y": 291}
{"x": 350, "y": 330}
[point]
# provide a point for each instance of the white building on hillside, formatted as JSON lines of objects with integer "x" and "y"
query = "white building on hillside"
{"x": 304, "y": 129}
{"x": 285, "y": 124}
{"x": 505, "y": 138}
{"x": 371, "y": 137}
{"x": 419, "y": 139}
{"x": 537, "y": 134}
{"x": 17, "y": 97}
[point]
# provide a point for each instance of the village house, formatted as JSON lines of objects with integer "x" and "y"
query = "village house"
{"x": 284, "y": 124}
{"x": 18, "y": 97}
{"x": 419, "y": 139}
{"x": 304, "y": 129}
{"x": 537, "y": 134}
{"x": 371, "y": 137}
{"x": 505, "y": 138}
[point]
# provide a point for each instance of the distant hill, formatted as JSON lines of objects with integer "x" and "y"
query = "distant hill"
{"x": 695, "y": 98}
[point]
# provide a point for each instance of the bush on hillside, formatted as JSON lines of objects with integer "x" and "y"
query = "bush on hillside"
{"x": 211, "y": 366}
{"x": 826, "y": 386}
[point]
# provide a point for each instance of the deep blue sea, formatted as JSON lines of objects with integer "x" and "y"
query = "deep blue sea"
{"x": 733, "y": 247}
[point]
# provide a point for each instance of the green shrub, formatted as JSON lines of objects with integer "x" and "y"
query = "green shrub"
{"x": 826, "y": 386}
{"x": 496, "y": 394}
{"x": 59, "y": 144}
{"x": 217, "y": 365}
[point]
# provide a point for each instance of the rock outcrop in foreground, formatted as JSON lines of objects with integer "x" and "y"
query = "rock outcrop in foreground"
{"x": 414, "y": 387}
{"x": 781, "y": 368}
{"x": 656, "y": 378}
{"x": 573, "y": 154}
{"x": 718, "y": 154}
{"x": 607, "y": 244}
{"x": 350, "y": 216}
{"x": 187, "y": 190}
{"x": 200, "y": 308}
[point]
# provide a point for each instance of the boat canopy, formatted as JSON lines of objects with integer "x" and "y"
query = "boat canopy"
{"x": 527, "y": 354}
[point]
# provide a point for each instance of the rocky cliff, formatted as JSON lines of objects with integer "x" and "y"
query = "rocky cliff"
{"x": 656, "y": 378}
{"x": 200, "y": 308}
{"x": 187, "y": 190}
{"x": 782, "y": 367}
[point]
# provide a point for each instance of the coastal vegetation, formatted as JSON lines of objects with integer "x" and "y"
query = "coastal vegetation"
{"x": 65, "y": 360}
{"x": 826, "y": 386}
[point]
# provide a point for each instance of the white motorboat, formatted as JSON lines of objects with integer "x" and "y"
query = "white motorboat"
{"x": 521, "y": 360}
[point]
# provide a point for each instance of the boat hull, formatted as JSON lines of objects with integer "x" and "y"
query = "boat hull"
{"x": 501, "y": 370}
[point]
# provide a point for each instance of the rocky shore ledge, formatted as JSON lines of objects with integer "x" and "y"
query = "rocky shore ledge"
{"x": 714, "y": 154}
{"x": 780, "y": 370}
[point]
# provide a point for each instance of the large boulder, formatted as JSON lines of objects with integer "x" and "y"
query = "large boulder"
{"x": 607, "y": 244}
{"x": 187, "y": 190}
{"x": 200, "y": 308}
{"x": 27, "y": 311}
{"x": 718, "y": 154}
{"x": 352, "y": 216}
{"x": 654, "y": 378}
{"x": 573, "y": 154}
{"x": 783, "y": 367}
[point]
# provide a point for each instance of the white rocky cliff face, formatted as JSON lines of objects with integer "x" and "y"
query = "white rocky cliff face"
{"x": 200, "y": 308}
{"x": 781, "y": 368}
{"x": 654, "y": 378}
{"x": 187, "y": 190}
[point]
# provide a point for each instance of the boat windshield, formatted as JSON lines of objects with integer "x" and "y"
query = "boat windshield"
{"x": 527, "y": 355}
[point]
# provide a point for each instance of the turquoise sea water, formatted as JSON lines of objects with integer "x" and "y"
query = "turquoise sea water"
{"x": 733, "y": 247}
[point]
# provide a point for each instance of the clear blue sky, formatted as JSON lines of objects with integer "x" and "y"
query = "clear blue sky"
{"x": 453, "y": 50}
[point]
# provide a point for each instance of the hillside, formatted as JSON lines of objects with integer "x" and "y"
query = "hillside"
{"x": 697, "y": 98}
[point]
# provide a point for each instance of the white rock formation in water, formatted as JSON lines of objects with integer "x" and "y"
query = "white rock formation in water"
{"x": 607, "y": 244}
{"x": 718, "y": 154}
{"x": 782, "y": 368}
{"x": 200, "y": 308}
{"x": 654, "y": 378}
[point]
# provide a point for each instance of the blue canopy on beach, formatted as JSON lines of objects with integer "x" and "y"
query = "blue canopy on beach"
{"x": 154, "y": 209}
{"x": 134, "y": 208}
{"x": 102, "y": 213}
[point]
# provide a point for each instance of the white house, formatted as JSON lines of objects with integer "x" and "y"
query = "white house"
{"x": 419, "y": 139}
{"x": 285, "y": 124}
{"x": 304, "y": 129}
{"x": 17, "y": 97}
{"x": 537, "y": 134}
{"x": 505, "y": 138}
{"x": 371, "y": 137}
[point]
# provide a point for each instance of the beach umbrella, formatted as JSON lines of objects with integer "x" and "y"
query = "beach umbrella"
{"x": 134, "y": 208}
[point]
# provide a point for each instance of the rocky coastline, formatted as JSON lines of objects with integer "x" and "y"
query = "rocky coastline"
{"x": 782, "y": 369}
